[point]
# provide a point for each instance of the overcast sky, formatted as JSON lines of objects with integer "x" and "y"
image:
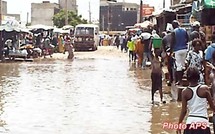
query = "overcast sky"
{"x": 24, "y": 6}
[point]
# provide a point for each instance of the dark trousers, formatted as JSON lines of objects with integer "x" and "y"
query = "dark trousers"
{"x": 198, "y": 130}
{"x": 170, "y": 64}
{"x": 131, "y": 55}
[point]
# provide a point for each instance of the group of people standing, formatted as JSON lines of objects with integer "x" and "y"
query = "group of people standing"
{"x": 186, "y": 55}
{"x": 138, "y": 46}
{"x": 189, "y": 56}
{"x": 47, "y": 45}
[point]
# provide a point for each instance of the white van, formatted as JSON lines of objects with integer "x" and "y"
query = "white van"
{"x": 86, "y": 37}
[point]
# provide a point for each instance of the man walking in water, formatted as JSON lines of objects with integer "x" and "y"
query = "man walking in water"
{"x": 179, "y": 48}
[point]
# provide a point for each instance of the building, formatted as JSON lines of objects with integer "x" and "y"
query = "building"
{"x": 70, "y": 6}
{"x": 116, "y": 16}
{"x": 42, "y": 13}
{"x": 3, "y": 6}
{"x": 4, "y": 14}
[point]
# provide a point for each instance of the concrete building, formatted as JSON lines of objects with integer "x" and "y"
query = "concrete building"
{"x": 42, "y": 13}
{"x": 5, "y": 16}
{"x": 71, "y": 5}
{"x": 116, "y": 16}
{"x": 3, "y": 5}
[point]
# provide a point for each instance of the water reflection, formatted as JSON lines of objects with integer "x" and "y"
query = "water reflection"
{"x": 86, "y": 96}
{"x": 165, "y": 113}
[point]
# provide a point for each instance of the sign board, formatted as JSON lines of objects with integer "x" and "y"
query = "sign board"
{"x": 147, "y": 10}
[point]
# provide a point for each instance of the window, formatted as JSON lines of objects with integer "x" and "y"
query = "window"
{"x": 84, "y": 31}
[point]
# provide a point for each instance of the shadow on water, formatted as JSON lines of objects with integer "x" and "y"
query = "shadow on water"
{"x": 86, "y": 96}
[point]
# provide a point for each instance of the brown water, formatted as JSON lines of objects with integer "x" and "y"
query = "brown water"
{"x": 86, "y": 96}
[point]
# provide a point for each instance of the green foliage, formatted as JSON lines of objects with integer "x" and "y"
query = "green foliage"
{"x": 73, "y": 19}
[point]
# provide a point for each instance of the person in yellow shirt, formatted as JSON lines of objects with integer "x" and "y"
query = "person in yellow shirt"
{"x": 131, "y": 48}
{"x": 61, "y": 44}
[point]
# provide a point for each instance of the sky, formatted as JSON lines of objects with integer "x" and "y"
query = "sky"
{"x": 24, "y": 6}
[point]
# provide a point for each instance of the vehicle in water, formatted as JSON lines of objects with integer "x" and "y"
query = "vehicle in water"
{"x": 86, "y": 37}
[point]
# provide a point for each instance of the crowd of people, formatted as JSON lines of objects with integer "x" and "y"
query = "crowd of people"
{"x": 186, "y": 55}
{"x": 37, "y": 44}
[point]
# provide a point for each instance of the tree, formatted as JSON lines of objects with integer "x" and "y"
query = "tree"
{"x": 73, "y": 19}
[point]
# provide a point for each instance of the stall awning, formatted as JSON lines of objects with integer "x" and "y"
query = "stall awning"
{"x": 9, "y": 28}
{"x": 40, "y": 26}
{"x": 208, "y": 3}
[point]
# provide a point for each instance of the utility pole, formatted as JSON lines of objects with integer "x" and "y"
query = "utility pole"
{"x": 164, "y": 3}
{"x": 172, "y": 3}
{"x": 109, "y": 20}
{"x": 27, "y": 18}
{"x": 90, "y": 13}
{"x": 66, "y": 10}
{"x": 103, "y": 23}
{"x": 141, "y": 11}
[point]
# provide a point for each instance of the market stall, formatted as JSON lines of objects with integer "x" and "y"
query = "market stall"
{"x": 163, "y": 18}
{"x": 10, "y": 36}
{"x": 203, "y": 11}
{"x": 144, "y": 25}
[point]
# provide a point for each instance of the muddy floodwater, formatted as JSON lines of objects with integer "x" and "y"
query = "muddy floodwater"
{"x": 84, "y": 96}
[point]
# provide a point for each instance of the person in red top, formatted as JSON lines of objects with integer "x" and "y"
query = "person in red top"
{"x": 139, "y": 48}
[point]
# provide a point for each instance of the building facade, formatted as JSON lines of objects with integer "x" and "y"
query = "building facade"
{"x": 42, "y": 13}
{"x": 116, "y": 16}
{"x": 5, "y": 16}
{"x": 3, "y": 6}
{"x": 70, "y": 5}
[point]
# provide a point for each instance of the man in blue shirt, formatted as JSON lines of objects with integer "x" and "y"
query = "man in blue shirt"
{"x": 210, "y": 49}
{"x": 179, "y": 48}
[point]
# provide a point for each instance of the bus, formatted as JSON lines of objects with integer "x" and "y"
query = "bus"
{"x": 86, "y": 37}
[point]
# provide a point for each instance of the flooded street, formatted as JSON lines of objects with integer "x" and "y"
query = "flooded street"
{"x": 90, "y": 95}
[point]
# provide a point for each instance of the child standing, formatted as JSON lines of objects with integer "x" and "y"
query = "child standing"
{"x": 156, "y": 75}
{"x": 131, "y": 48}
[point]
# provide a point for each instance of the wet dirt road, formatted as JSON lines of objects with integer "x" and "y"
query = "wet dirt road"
{"x": 96, "y": 93}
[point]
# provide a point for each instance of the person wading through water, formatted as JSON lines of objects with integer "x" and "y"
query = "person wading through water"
{"x": 178, "y": 46}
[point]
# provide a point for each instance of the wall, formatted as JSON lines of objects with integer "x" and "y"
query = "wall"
{"x": 120, "y": 16}
{"x": 42, "y": 13}
{"x": 71, "y": 5}
{"x": 4, "y": 7}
